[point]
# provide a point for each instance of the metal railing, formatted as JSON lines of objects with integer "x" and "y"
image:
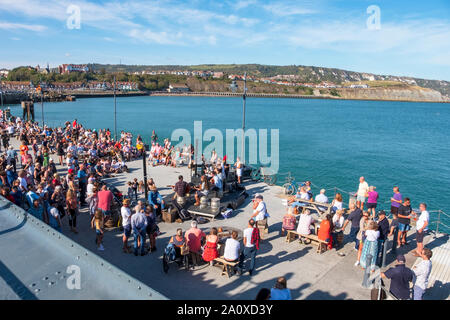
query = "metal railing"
{"x": 438, "y": 225}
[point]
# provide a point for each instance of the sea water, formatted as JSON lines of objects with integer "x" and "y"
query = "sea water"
{"x": 330, "y": 142}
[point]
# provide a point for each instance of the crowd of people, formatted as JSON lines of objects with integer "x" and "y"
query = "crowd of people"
{"x": 370, "y": 229}
{"x": 31, "y": 180}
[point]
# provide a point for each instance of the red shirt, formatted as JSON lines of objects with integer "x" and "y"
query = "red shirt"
{"x": 193, "y": 239}
{"x": 105, "y": 198}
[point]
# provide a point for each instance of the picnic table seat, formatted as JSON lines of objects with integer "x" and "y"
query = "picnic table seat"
{"x": 292, "y": 234}
{"x": 227, "y": 266}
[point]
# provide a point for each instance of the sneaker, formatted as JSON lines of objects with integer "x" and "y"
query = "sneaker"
{"x": 101, "y": 248}
{"x": 356, "y": 263}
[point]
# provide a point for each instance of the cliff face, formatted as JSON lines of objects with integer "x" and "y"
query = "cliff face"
{"x": 411, "y": 93}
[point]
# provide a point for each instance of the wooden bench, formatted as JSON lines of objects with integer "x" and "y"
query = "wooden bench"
{"x": 291, "y": 235}
{"x": 227, "y": 266}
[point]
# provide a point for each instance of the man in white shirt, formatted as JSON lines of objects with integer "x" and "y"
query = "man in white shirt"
{"x": 232, "y": 247}
{"x": 363, "y": 190}
{"x": 126, "y": 223}
{"x": 322, "y": 198}
{"x": 261, "y": 211}
{"x": 422, "y": 273}
{"x": 249, "y": 248}
{"x": 421, "y": 227}
{"x": 305, "y": 222}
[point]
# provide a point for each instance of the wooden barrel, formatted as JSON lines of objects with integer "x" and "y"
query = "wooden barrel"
{"x": 203, "y": 202}
{"x": 181, "y": 200}
{"x": 215, "y": 203}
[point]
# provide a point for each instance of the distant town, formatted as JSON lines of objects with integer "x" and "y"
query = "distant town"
{"x": 286, "y": 80}
{"x": 70, "y": 81}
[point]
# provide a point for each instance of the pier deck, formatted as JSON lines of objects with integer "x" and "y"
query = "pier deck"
{"x": 309, "y": 275}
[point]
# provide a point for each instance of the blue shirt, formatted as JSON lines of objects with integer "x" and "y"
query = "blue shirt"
{"x": 82, "y": 176}
{"x": 154, "y": 198}
{"x": 280, "y": 294}
{"x": 400, "y": 277}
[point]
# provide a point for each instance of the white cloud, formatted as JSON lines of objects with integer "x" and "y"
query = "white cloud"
{"x": 15, "y": 39}
{"x": 281, "y": 9}
{"x": 18, "y": 26}
{"x": 242, "y": 4}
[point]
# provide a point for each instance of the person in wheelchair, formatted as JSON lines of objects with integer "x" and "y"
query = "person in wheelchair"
{"x": 178, "y": 241}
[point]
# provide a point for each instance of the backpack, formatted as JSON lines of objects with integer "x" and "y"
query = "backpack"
{"x": 170, "y": 252}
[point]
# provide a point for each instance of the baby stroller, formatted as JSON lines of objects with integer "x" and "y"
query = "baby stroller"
{"x": 171, "y": 256}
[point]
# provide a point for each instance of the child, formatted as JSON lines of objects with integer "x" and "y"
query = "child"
{"x": 134, "y": 185}
{"x": 130, "y": 190}
{"x": 97, "y": 223}
{"x": 141, "y": 186}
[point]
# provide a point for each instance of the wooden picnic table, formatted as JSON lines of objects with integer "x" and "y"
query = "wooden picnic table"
{"x": 312, "y": 205}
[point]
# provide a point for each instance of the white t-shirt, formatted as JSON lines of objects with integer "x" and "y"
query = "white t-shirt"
{"x": 372, "y": 235}
{"x": 424, "y": 216}
{"x": 304, "y": 223}
{"x": 337, "y": 204}
{"x": 248, "y": 236}
{"x": 232, "y": 249}
{"x": 23, "y": 183}
{"x": 338, "y": 223}
{"x": 422, "y": 272}
{"x": 261, "y": 208}
{"x": 126, "y": 214}
{"x": 90, "y": 189}
{"x": 363, "y": 189}
{"x": 321, "y": 198}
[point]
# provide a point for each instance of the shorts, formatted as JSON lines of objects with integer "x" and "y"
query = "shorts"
{"x": 403, "y": 227}
{"x": 98, "y": 232}
{"x": 371, "y": 205}
{"x": 239, "y": 172}
{"x": 127, "y": 230}
{"x": 419, "y": 236}
{"x": 361, "y": 198}
{"x": 394, "y": 210}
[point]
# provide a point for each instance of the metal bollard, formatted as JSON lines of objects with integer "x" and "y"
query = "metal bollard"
{"x": 366, "y": 281}
{"x": 383, "y": 260}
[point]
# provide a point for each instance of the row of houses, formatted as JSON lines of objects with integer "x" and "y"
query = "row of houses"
{"x": 188, "y": 73}
{"x": 58, "y": 86}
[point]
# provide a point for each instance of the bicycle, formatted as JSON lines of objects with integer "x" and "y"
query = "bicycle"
{"x": 265, "y": 174}
{"x": 291, "y": 186}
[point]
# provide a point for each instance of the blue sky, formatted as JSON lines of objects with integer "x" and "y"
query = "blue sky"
{"x": 413, "y": 38}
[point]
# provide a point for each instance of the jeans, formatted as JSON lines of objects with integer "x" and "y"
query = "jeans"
{"x": 248, "y": 252}
{"x": 418, "y": 293}
{"x": 82, "y": 186}
{"x": 394, "y": 241}
{"x": 353, "y": 232}
{"x": 139, "y": 234}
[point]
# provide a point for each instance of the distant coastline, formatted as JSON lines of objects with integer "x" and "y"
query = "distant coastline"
{"x": 15, "y": 99}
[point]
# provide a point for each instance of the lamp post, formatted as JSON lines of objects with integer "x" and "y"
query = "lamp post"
{"x": 144, "y": 165}
{"x": 244, "y": 97}
{"x": 42, "y": 107}
{"x": 115, "y": 111}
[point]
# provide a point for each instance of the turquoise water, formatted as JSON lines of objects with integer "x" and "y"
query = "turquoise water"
{"x": 332, "y": 143}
